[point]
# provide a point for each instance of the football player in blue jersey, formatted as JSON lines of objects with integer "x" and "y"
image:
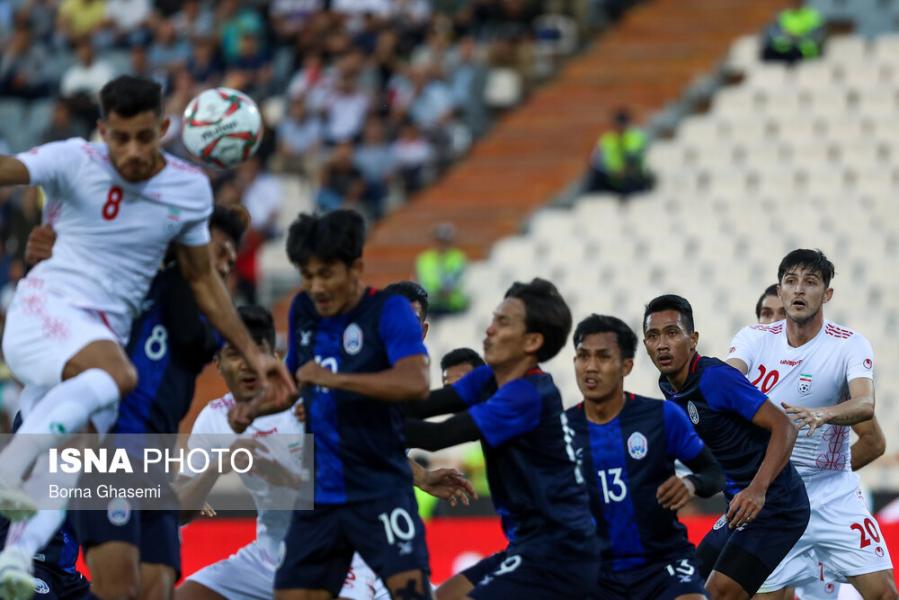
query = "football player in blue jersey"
{"x": 628, "y": 445}
{"x": 752, "y": 440}
{"x": 515, "y": 410}
{"x": 170, "y": 344}
{"x": 357, "y": 353}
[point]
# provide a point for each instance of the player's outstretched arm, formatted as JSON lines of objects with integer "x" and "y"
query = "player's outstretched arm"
{"x": 13, "y": 171}
{"x": 429, "y": 436}
{"x": 407, "y": 380}
{"x": 213, "y": 299}
{"x": 738, "y": 364}
{"x": 443, "y": 401}
{"x": 446, "y": 484}
{"x": 858, "y": 408}
{"x": 747, "y": 504}
{"x": 870, "y": 445}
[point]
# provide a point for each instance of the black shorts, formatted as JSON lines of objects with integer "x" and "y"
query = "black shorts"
{"x": 748, "y": 555}
{"x": 511, "y": 574}
{"x": 154, "y": 532}
{"x": 319, "y": 545}
{"x": 664, "y": 580}
{"x": 51, "y": 583}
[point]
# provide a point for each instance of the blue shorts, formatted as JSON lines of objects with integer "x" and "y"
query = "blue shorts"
{"x": 318, "y": 548}
{"x": 748, "y": 555}
{"x": 508, "y": 574}
{"x": 52, "y": 583}
{"x": 664, "y": 580}
{"x": 154, "y": 532}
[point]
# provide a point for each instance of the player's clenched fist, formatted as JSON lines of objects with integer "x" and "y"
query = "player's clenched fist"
{"x": 39, "y": 245}
{"x": 313, "y": 373}
{"x": 745, "y": 507}
{"x": 675, "y": 492}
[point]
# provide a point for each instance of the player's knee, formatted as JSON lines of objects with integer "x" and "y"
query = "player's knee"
{"x": 719, "y": 589}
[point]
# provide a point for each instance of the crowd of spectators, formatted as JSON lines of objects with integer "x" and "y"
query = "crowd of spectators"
{"x": 369, "y": 100}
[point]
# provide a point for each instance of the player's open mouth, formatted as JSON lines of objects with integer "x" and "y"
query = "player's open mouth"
{"x": 249, "y": 381}
{"x": 591, "y": 382}
{"x": 665, "y": 360}
{"x": 798, "y": 304}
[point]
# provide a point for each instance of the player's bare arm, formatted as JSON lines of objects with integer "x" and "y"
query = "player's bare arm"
{"x": 446, "y": 484}
{"x": 407, "y": 380}
{"x": 738, "y": 364}
{"x": 40, "y": 244}
{"x": 870, "y": 445}
{"x": 747, "y": 504}
{"x": 214, "y": 301}
{"x": 13, "y": 171}
{"x": 858, "y": 408}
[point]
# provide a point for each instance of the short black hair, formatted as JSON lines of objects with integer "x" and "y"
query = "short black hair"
{"x": 461, "y": 356}
{"x": 545, "y": 312}
{"x": 259, "y": 322}
{"x": 626, "y": 338}
{"x": 232, "y": 221}
{"x": 129, "y": 96}
{"x": 336, "y": 236}
{"x": 771, "y": 290}
{"x": 412, "y": 292}
{"x": 671, "y": 302}
{"x": 812, "y": 260}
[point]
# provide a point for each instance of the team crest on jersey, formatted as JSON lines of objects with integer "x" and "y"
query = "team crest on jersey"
{"x": 693, "y": 412}
{"x": 40, "y": 586}
{"x": 352, "y": 339}
{"x": 118, "y": 511}
{"x": 805, "y": 384}
{"x": 637, "y": 445}
{"x": 868, "y": 363}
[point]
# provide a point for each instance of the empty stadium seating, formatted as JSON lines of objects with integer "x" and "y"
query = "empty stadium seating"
{"x": 802, "y": 157}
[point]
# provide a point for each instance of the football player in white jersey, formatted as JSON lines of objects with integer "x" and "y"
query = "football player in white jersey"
{"x": 822, "y": 374}
{"x": 115, "y": 207}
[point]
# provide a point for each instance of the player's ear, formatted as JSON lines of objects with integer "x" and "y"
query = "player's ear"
{"x": 101, "y": 128}
{"x": 694, "y": 340}
{"x": 628, "y": 364}
{"x": 164, "y": 126}
{"x": 357, "y": 267}
{"x": 425, "y": 327}
{"x": 828, "y": 294}
{"x": 532, "y": 342}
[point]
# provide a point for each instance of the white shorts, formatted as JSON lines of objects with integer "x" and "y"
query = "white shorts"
{"x": 43, "y": 332}
{"x": 362, "y": 584}
{"x": 249, "y": 575}
{"x": 841, "y": 534}
{"x": 246, "y": 575}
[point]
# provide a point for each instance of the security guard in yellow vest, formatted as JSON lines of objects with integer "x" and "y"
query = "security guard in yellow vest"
{"x": 618, "y": 163}
{"x": 439, "y": 270}
{"x": 798, "y": 34}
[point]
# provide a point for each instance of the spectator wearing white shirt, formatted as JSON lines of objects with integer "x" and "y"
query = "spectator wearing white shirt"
{"x": 87, "y": 75}
{"x": 414, "y": 156}
{"x": 346, "y": 108}
{"x": 298, "y": 139}
{"x": 262, "y": 197}
{"x": 377, "y": 163}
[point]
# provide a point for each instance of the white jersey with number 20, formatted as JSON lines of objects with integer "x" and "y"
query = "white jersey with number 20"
{"x": 112, "y": 234}
{"x": 814, "y": 375}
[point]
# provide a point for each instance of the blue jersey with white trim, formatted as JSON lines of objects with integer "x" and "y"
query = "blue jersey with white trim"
{"x": 360, "y": 451}
{"x": 721, "y": 404}
{"x": 625, "y": 461}
{"x": 535, "y": 482}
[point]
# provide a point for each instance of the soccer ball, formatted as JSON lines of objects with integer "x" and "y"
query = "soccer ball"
{"x": 222, "y": 127}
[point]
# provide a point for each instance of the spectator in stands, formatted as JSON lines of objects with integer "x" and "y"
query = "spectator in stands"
{"x": 413, "y": 157}
{"x": 377, "y": 163}
{"x": 467, "y": 78}
{"x": 440, "y": 271}
{"x": 307, "y": 81}
{"x": 24, "y": 67}
{"x": 168, "y": 51}
{"x": 288, "y": 17}
{"x": 87, "y": 75}
{"x": 299, "y": 138}
{"x": 204, "y": 64}
{"x": 342, "y": 183}
{"x": 128, "y": 21}
{"x": 80, "y": 18}
{"x": 798, "y": 34}
{"x": 262, "y": 197}
{"x": 618, "y": 163}
{"x": 345, "y": 109}
{"x": 63, "y": 124}
{"x": 236, "y": 22}
{"x": 194, "y": 20}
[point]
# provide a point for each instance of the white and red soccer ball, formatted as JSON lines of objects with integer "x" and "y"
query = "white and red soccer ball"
{"x": 222, "y": 127}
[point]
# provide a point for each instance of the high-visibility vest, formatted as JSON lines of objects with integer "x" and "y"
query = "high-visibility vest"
{"x": 615, "y": 149}
{"x": 438, "y": 271}
{"x": 796, "y": 27}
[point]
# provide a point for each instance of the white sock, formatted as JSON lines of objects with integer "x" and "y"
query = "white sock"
{"x": 66, "y": 409}
{"x": 32, "y": 535}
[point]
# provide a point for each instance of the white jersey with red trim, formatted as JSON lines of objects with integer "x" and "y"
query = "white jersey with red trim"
{"x": 816, "y": 374}
{"x": 112, "y": 234}
{"x": 283, "y": 428}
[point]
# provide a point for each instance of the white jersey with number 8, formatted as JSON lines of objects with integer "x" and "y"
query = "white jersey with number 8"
{"x": 112, "y": 234}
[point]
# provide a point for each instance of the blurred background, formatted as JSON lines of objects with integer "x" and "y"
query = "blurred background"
{"x": 622, "y": 149}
